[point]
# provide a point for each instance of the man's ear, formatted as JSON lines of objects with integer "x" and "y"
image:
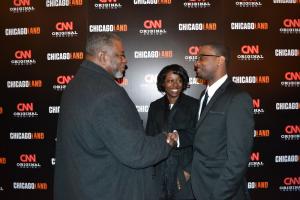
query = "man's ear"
{"x": 101, "y": 56}
{"x": 221, "y": 60}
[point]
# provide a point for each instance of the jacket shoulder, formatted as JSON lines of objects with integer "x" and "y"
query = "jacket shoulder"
{"x": 234, "y": 90}
{"x": 158, "y": 102}
{"x": 190, "y": 100}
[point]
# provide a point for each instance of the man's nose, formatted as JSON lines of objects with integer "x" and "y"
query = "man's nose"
{"x": 125, "y": 60}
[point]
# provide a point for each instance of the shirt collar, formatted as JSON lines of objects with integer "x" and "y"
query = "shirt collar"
{"x": 214, "y": 87}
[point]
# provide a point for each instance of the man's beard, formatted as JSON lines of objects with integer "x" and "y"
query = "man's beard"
{"x": 118, "y": 74}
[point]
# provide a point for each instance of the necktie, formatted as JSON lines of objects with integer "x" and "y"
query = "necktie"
{"x": 204, "y": 102}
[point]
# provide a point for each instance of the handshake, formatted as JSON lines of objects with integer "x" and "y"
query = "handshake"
{"x": 172, "y": 138}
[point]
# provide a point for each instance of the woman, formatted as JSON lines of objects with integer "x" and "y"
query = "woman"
{"x": 175, "y": 111}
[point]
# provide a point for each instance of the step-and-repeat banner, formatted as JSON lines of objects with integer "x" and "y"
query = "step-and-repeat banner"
{"x": 42, "y": 46}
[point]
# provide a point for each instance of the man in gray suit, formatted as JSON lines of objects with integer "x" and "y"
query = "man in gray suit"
{"x": 102, "y": 150}
{"x": 224, "y": 136}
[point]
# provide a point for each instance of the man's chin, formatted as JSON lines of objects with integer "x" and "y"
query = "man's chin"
{"x": 118, "y": 74}
{"x": 198, "y": 76}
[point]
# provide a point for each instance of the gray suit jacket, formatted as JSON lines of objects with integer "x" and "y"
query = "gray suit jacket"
{"x": 222, "y": 145}
{"x": 101, "y": 149}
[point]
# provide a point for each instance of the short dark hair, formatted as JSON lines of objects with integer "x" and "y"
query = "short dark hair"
{"x": 99, "y": 41}
{"x": 221, "y": 50}
{"x": 176, "y": 69}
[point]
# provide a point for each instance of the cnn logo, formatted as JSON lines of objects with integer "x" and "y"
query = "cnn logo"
{"x": 23, "y": 54}
{"x": 194, "y": 50}
{"x": 292, "y": 181}
{"x": 250, "y": 49}
{"x": 21, "y": 2}
{"x": 107, "y": 1}
{"x": 292, "y": 76}
{"x": 153, "y": 24}
{"x": 292, "y": 129}
{"x": 63, "y": 80}
{"x": 255, "y": 156}
{"x": 256, "y": 103}
{"x": 150, "y": 78}
{"x": 64, "y": 26}
{"x": 28, "y": 158}
{"x": 25, "y": 107}
{"x": 291, "y": 23}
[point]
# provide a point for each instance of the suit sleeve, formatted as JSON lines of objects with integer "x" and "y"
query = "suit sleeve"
{"x": 239, "y": 129}
{"x": 119, "y": 127}
{"x": 187, "y": 135}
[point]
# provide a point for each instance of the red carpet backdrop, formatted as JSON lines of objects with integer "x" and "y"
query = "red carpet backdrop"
{"x": 42, "y": 46}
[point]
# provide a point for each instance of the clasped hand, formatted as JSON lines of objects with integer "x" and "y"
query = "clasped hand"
{"x": 172, "y": 138}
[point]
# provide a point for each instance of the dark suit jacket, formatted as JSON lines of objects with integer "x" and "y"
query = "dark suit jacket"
{"x": 223, "y": 145}
{"x": 101, "y": 146}
{"x": 183, "y": 118}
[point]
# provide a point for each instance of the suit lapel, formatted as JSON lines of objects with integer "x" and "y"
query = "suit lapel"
{"x": 214, "y": 98}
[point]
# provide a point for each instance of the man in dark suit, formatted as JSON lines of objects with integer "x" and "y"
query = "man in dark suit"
{"x": 224, "y": 135}
{"x": 102, "y": 149}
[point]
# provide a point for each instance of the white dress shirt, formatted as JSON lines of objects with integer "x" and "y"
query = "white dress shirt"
{"x": 211, "y": 91}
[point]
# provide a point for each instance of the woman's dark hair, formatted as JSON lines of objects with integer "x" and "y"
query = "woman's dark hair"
{"x": 176, "y": 69}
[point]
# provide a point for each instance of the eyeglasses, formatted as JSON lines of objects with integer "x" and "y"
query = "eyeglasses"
{"x": 201, "y": 56}
{"x": 122, "y": 56}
